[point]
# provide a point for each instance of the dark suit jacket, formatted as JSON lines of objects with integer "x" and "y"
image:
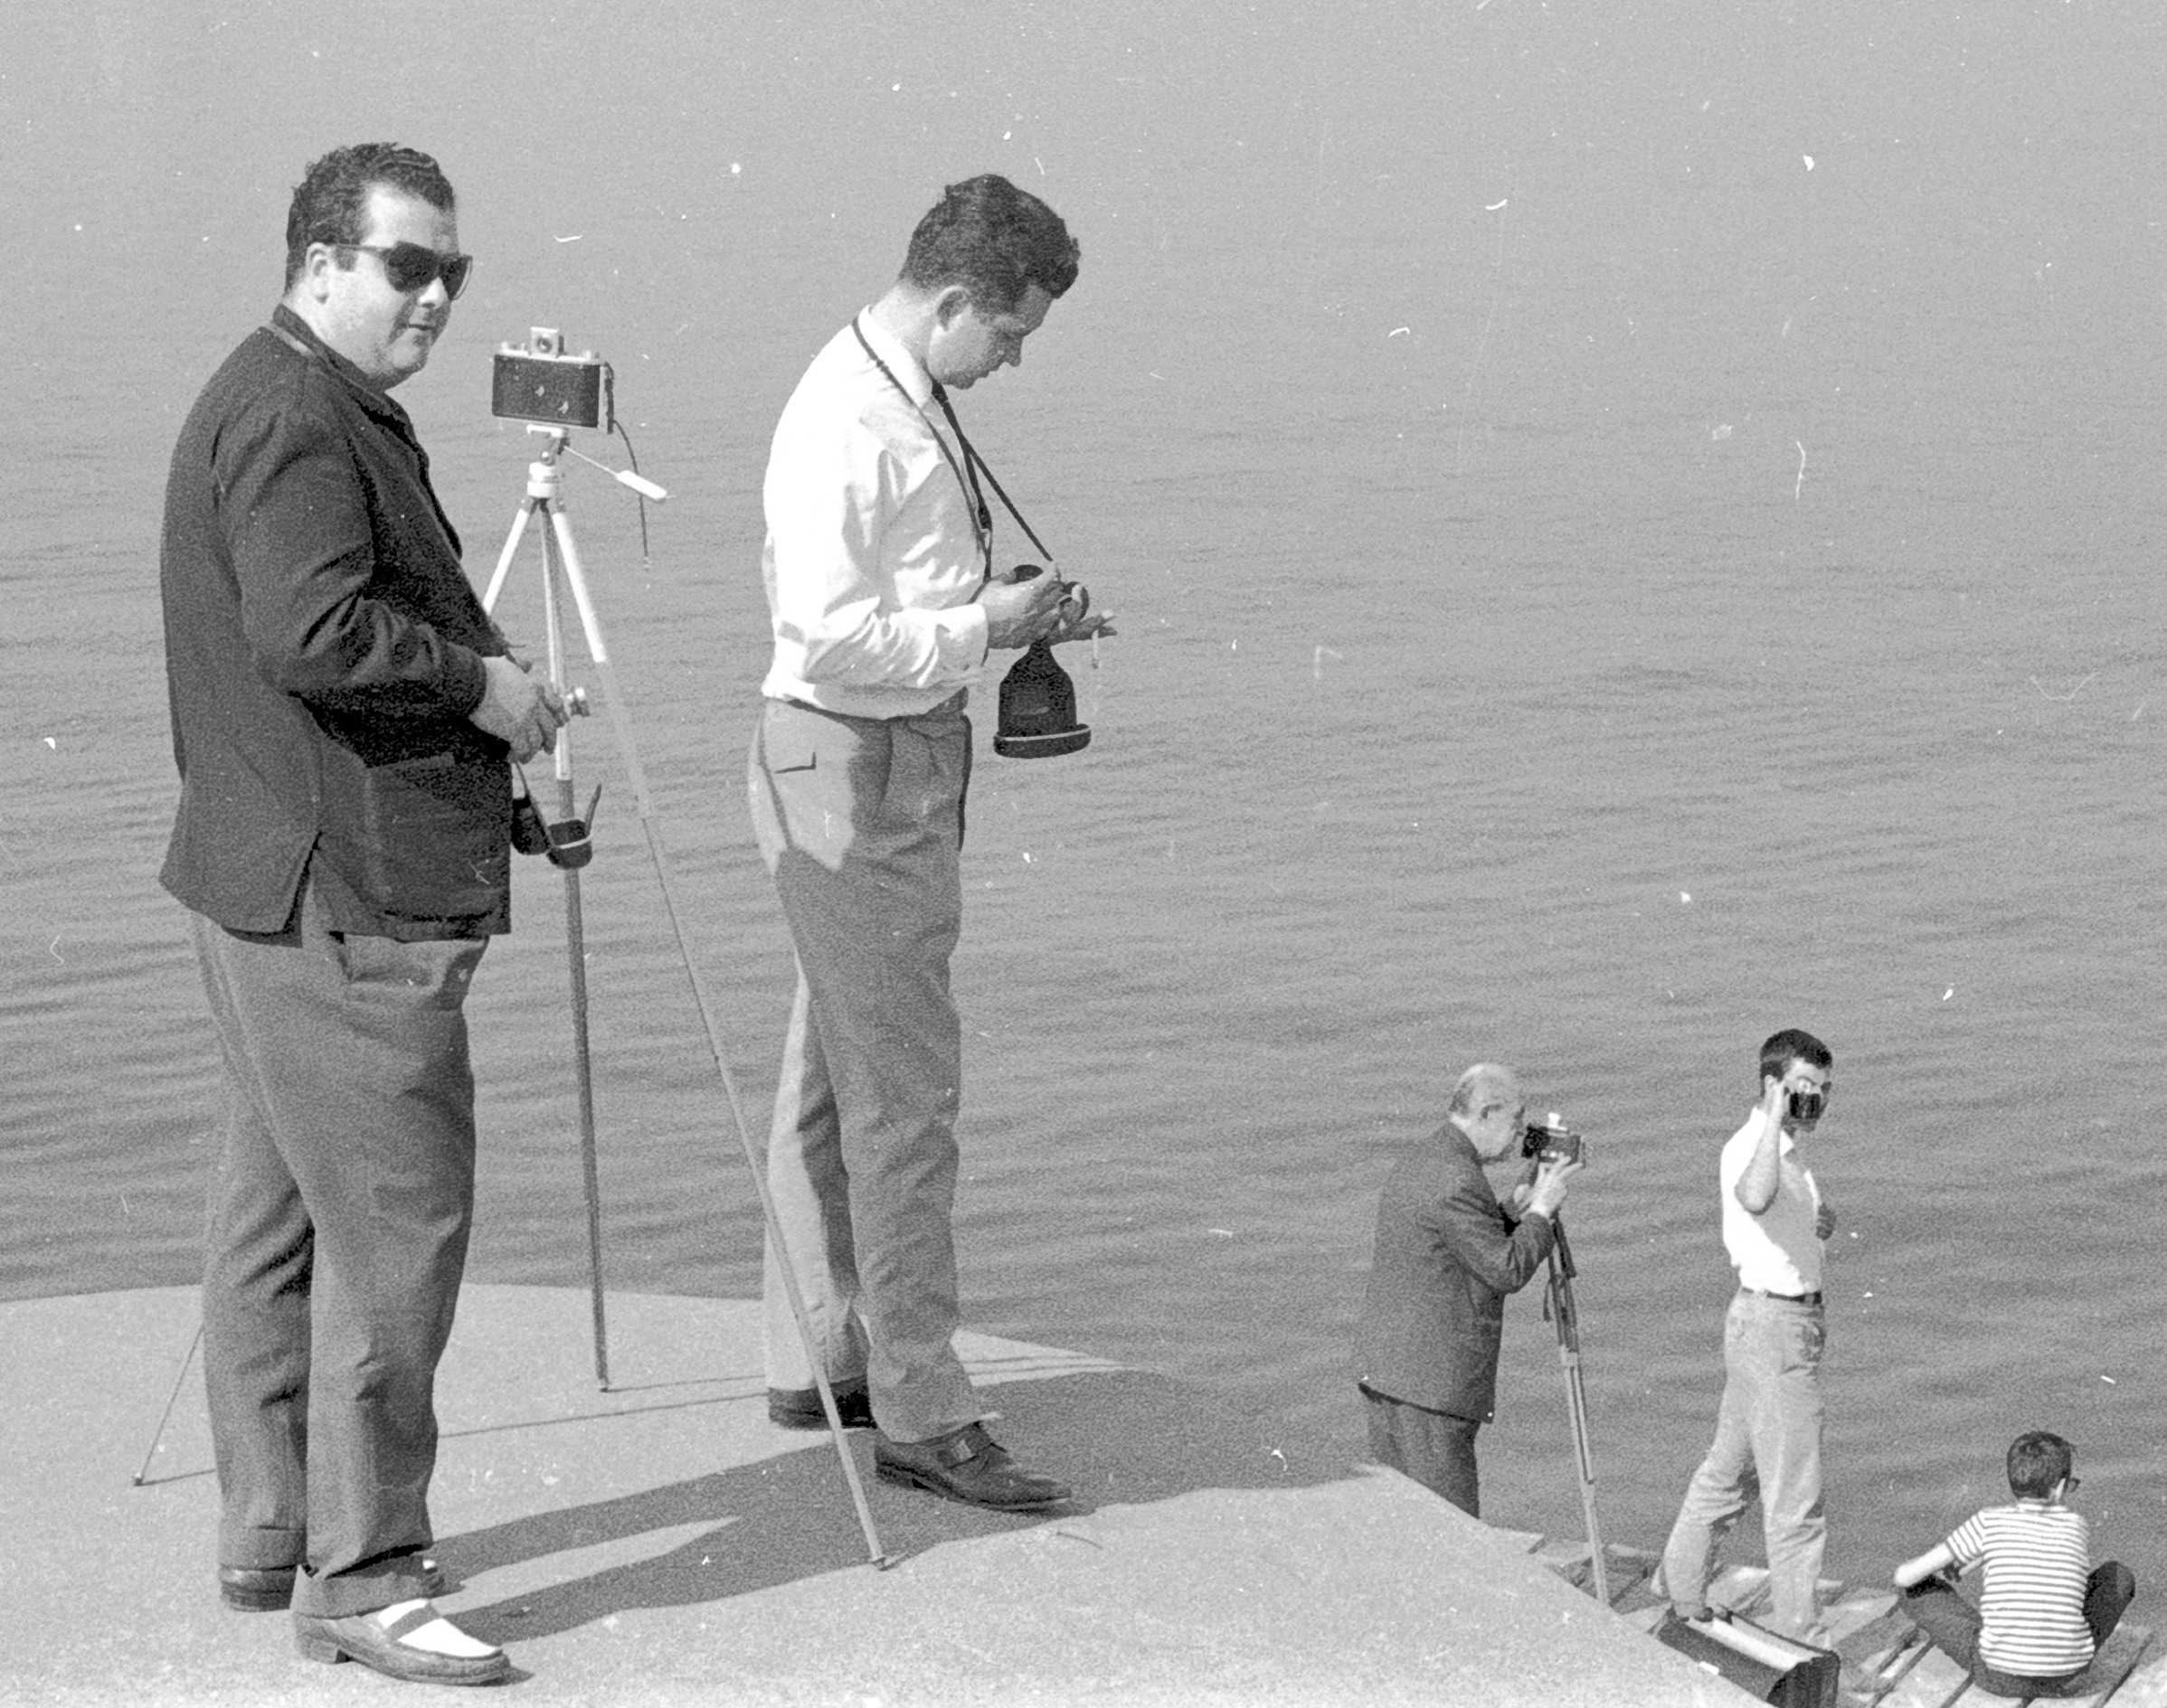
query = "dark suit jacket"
{"x": 323, "y": 650}
{"x": 1447, "y": 1255}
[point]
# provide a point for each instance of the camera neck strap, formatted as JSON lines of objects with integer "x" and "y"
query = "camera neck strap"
{"x": 971, "y": 465}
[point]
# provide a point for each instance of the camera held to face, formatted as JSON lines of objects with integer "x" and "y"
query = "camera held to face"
{"x": 1552, "y": 1140}
{"x": 539, "y": 382}
{"x": 1806, "y": 1106}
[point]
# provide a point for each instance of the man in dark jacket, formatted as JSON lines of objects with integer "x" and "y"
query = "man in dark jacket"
{"x": 1447, "y": 1253}
{"x": 342, "y": 713}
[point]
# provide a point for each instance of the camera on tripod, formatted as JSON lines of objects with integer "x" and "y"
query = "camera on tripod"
{"x": 1551, "y": 1140}
{"x": 538, "y": 382}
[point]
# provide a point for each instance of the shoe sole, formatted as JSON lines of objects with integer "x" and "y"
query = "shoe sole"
{"x": 816, "y": 1420}
{"x": 423, "y": 1668}
{"x": 243, "y": 1601}
{"x": 905, "y": 1477}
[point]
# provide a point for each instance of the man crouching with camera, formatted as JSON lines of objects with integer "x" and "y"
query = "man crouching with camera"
{"x": 1447, "y": 1253}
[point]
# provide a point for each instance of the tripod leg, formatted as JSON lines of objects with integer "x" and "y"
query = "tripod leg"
{"x": 159, "y": 1434}
{"x": 1565, "y": 1314}
{"x": 620, "y": 727}
{"x": 505, "y": 557}
{"x": 575, "y": 944}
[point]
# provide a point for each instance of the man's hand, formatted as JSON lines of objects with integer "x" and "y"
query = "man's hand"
{"x": 1774, "y": 1100}
{"x": 1078, "y": 620}
{"x": 1545, "y": 1197}
{"x": 1022, "y": 606}
{"x": 522, "y": 710}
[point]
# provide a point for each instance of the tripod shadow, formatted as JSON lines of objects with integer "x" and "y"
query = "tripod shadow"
{"x": 1118, "y": 1437}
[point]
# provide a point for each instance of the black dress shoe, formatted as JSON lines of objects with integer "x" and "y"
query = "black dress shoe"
{"x": 362, "y": 1636}
{"x": 270, "y": 1589}
{"x": 799, "y": 1408}
{"x": 968, "y": 1465}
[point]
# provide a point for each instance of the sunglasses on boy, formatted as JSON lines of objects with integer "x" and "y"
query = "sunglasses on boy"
{"x": 410, "y": 267}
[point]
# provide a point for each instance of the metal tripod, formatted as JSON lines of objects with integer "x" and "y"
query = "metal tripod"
{"x": 570, "y": 845}
{"x": 561, "y": 572}
{"x": 1559, "y": 1307}
{"x": 570, "y": 848}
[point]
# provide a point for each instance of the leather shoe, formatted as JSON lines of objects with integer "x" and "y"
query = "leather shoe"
{"x": 799, "y": 1408}
{"x": 362, "y": 1636}
{"x": 967, "y": 1465}
{"x": 270, "y": 1589}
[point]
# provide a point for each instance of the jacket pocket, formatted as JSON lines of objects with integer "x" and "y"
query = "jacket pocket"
{"x": 431, "y": 837}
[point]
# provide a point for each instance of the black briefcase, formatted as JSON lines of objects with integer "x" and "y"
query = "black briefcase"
{"x": 1771, "y": 1668}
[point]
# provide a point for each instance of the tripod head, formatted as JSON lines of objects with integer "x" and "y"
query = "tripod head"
{"x": 559, "y": 443}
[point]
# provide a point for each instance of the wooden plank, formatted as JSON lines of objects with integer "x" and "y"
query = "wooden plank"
{"x": 2146, "y": 1687}
{"x": 1627, "y": 1578}
{"x": 1936, "y": 1681}
{"x": 1624, "y": 1569}
{"x": 1863, "y": 1609}
{"x": 2118, "y": 1657}
{"x": 1873, "y": 1677}
{"x": 1741, "y": 1590}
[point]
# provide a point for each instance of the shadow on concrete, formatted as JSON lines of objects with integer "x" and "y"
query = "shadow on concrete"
{"x": 1120, "y": 1436}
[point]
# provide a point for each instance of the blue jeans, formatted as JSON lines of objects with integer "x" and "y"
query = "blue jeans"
{"x": 1768, "y": 1444}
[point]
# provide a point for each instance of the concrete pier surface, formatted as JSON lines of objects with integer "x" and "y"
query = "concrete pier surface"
{"x": 662, "y": 1543}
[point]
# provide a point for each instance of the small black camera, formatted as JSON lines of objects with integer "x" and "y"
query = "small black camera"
{"x": 1807, "y": 1106}
{"x": 1547, "y": 1141}
{"x": 538, "y": 382}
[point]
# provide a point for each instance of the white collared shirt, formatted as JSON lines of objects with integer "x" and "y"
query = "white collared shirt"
{"x": 872, "y": 558}
{"x": 1778, "y": 1250}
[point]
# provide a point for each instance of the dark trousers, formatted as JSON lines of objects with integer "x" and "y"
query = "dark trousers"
{"x": 1435, "y": 1448}
{"x": 1944, "y": 1613}
{"x": 336, "y": 1235}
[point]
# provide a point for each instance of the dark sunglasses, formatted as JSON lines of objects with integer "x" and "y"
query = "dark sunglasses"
{"x": 410, "y": 267}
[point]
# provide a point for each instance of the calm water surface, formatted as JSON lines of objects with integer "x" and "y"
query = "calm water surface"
{"x": 1627, "y": 536}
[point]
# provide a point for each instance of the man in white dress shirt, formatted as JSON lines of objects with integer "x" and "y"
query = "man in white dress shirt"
{"x": 884, "y": 601}
{"x": 1775, "y": 1223}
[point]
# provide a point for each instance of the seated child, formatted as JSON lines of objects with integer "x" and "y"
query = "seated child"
{"x": 2042, "y": 1614}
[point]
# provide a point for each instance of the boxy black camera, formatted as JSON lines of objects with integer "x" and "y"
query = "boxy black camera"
{"x": 539, "y": 382}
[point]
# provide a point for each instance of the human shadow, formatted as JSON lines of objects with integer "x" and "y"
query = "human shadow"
{"x": 1118, "y": 1437}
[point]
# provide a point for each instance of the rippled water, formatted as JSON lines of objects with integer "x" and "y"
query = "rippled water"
{"x": 1626, "y": 537}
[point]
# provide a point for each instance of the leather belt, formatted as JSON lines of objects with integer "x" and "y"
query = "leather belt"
{"x": 1784, "y": 1299}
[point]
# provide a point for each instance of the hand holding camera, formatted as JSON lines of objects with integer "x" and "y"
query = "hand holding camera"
{"x": 1027, "y": 605}
{"x": 1022, "y": 606}
{"x": 1559, "y": 1153}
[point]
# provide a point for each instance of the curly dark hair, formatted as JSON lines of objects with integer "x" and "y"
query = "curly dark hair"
{"x": 331, "y": 202}
{"x": 994, "y": 240}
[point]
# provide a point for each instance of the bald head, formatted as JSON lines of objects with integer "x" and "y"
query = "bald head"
{"x": 1487, "y": 1105}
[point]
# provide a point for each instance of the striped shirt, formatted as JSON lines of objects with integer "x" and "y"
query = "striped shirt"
{"x": 2032, "y": 1615}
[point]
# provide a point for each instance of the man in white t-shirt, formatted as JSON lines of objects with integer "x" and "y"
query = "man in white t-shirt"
{"x": 1775, "y": 1223}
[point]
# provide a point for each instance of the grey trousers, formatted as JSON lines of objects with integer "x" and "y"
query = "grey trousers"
{"x": 860, "y": 822}
{"x": 335, "y": 1238}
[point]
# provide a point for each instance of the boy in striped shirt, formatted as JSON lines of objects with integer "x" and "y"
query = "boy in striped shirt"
{"x": 2044, "y": 1611}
